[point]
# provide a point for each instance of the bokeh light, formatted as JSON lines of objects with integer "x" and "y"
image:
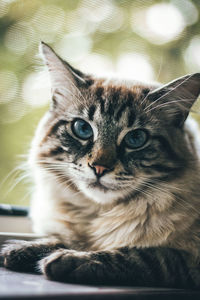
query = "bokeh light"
{"x": 192, "y": 54}
{"x": 49, "y": 19}
{"x": 98, "y": 64}
{"x": 188, "y": 10}
{"x": 97, "y": 11}
{"x": 135, "y": 66}
{"x": 15, "y": 39}
{"x": 36, "y": 90}
{"x": 9, "y": 86}
{"x": 74, "y": 46}
{"x": 15, "y": 111}
{"x": 159, "y": 23}
{"x": 3, "y": 8}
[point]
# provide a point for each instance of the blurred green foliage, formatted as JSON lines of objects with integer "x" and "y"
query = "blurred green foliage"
{"x": 157, "y": 39}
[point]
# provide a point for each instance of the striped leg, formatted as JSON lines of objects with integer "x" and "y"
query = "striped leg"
{"x": 161, "y": 267}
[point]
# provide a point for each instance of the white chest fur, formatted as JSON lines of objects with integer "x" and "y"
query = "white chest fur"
{"x": 138, "y": 223}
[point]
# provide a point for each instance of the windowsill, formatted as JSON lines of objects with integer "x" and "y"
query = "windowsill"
{"x": 15, "y": 224}
{"x": 31, "y": 286}
{"x": 14, "y": 219}
{"x": 4, "y": 236}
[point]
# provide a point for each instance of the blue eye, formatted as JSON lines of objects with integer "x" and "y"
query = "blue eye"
{"x": 136, "y": 138}
{"x": 82, "y": 129}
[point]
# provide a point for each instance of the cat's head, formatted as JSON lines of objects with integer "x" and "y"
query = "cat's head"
{"x": 113, "y": 139}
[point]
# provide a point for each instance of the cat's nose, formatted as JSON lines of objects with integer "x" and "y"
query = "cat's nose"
{"x": 98, "y": 170}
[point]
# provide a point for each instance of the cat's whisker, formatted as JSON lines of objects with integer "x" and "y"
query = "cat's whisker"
{"x": 12, "y": 173}
{"x": 16, "y": 182}
{"x": 52, "y": 164}
{"x": 67, "y": 186}
{"x": 79, "y": 92}
{"x": 170, "y": 91}
{"x": 151, "y": 182}
{"x": 132, "y": 188}
{"x": 169, "y": 103}
{"x": 174, "y": 187}
{"x": 145, "y": 98}
{"x": 62, "y": 182}
{"x": 158, "y": 188}
{"x": 177, "y": 198}
{"x": 27, "y": 194}
{"x": 144, "y": 192}
{"x": 160, "y": 68}
{"x": 73, "y": 95}
{"x": 58, "y": 176}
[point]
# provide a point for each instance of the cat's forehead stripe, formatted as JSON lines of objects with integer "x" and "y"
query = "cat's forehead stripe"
{"x": 91, "y": 112}
{"x": 120, "y": 111}
{"x": 99, "y": 90}
{"x": 115, "y": 101}
{"x": 131, "y": 118}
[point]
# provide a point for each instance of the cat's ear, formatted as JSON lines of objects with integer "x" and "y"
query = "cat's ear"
{"x": 176, "y": 98}
{"x": 66, "y": 81}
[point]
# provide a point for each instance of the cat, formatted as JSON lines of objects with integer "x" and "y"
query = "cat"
{"x": 116, "y": 165}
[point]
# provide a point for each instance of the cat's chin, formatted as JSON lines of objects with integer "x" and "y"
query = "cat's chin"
{"x": 101, "y": 187}
{"x": 99, "y": 193}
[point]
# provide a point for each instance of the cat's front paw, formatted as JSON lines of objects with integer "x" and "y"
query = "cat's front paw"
{"x": 71, "y": 266}
{"x": 17, "y": 255}
{"x": 23, "y": 256}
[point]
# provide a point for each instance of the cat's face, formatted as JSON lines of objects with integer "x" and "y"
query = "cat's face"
{"x": 109, "y": 139}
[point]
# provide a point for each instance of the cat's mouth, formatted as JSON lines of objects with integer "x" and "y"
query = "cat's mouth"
{"x": 98, "y": 185}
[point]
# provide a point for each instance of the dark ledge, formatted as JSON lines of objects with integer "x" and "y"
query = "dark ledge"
{"x": 13, "y": 210}
{"x": 30, "y": 286}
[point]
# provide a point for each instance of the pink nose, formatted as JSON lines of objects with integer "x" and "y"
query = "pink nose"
{"x": 99, "y": 170}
